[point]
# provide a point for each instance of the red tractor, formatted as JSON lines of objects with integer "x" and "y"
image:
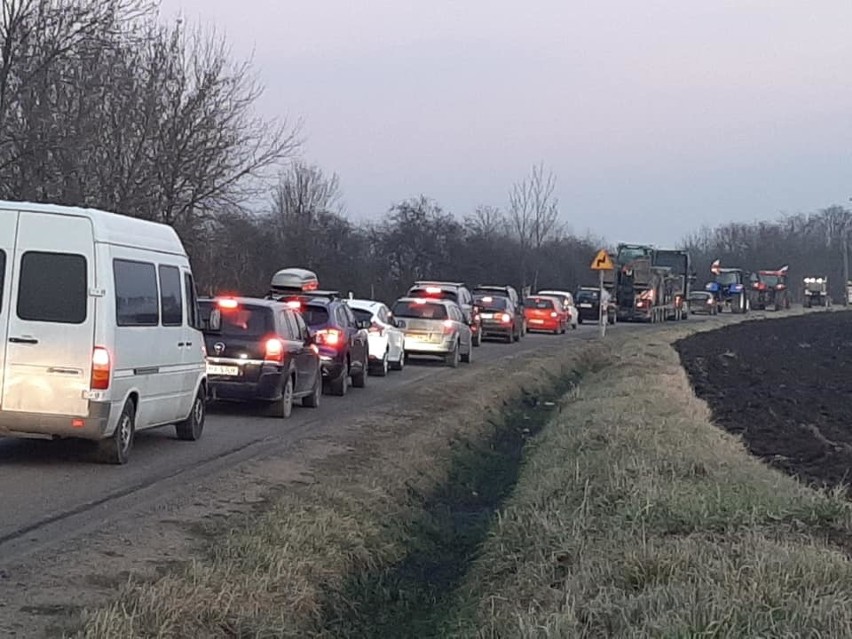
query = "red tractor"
{"x": 769, "y": 290}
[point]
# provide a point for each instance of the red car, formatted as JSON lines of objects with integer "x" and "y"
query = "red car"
{"x": 545, "y": 313}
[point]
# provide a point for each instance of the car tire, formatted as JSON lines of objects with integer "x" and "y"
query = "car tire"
{"x": 115, "y": 449}
{"x": 340, "y": 385}
{"x": 467, "y": 358}
{"x": 283, "y": 407}
{"x": 477, "y": 341}
{"x": 359, "y": 380}
{"x": 190, "y": 429}
{"x": 313, "y": 400}
{"x": 381, "y": 369}
{"x": 452, "y": 358}
{"x": 400, "y": 364}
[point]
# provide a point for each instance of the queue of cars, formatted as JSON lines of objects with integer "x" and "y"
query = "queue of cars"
{"x": 106, "y": 336}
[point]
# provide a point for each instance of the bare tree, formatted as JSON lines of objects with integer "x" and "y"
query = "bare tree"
{"x": 534, "y": 215}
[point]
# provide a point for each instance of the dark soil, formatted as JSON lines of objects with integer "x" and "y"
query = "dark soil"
{"x": 786, "y": 386}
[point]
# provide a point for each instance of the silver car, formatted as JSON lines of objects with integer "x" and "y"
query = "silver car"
{"x": 434, "y": 327}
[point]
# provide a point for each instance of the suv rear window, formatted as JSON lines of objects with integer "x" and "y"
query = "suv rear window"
{"x": 314, "y": 315}
{"x": 425, "y": 310}
{"x": 587, "y": 296}
{"x": 244, "y": 321}
{"x": 52, "y": 288}
{"x": 532, "y": 302}
{"x": 493, "y": 303}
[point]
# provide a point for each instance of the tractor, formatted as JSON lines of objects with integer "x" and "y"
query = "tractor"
{"x": 728, "y": 287}
{"x": 816, "y": 292}
{"x": 769, "y": 290}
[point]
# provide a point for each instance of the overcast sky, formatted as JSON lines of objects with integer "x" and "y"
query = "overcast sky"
{"x": 656, "y": 116}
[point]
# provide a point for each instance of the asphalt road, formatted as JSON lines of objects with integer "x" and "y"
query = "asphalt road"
{"x": 49, "y": 490}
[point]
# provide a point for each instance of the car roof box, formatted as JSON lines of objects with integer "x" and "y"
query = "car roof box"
{"x": 289, "y": 280}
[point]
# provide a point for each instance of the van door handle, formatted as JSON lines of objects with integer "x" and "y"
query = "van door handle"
{"x": 23, "y": 340}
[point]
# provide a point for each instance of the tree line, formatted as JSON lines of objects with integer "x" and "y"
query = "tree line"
{"x": 103, "y": 104}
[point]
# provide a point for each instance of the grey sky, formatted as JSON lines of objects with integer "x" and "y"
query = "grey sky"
{"x": 657, "y": 116}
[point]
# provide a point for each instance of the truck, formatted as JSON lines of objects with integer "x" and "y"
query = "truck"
{"x": 728, "y": 286}
{"x": 643, "y": 291}
{"x": 769, "y": 289}
{"x": 679, "y": 263}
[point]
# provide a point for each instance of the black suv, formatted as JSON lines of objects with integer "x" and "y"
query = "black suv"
{"x": 455, "y": 292}
{"x": 259, "y": 350}
{"x": 511, "y": 294}
{"x": 342, "y": 340}
{"x": 499, "y": 317}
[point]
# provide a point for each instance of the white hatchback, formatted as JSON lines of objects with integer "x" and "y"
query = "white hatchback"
{"x": 386, "y": 341}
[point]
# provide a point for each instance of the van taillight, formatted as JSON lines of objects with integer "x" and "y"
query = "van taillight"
{"x": 101, "y": 368}
{"x": 274, "y": 351}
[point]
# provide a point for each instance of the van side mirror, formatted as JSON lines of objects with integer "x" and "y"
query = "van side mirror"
{"x": 214, "y": 323}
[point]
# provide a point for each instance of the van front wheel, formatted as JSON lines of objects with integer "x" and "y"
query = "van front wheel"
{"x": 115, "y": 449}
{"x": 189, "y": 430}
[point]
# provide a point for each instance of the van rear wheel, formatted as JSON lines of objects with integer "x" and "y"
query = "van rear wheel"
{"x": 189, "y": 430}
{"x": 115, "y": 449}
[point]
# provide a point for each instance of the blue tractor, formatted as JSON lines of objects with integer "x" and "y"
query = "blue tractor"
{"x": 729, "y": 287}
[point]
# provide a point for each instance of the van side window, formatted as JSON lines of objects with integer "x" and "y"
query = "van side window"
{"x": 192, "y": 318}
{"x": 136, "y": 302}
{"x": 171, "y": 298}
{"x": 52, "y": 288}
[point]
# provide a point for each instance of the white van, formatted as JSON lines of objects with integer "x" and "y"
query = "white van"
{"x": 100, "y": 328}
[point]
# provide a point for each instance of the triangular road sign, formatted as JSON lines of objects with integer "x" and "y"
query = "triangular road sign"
{"x": 602, "y": 262}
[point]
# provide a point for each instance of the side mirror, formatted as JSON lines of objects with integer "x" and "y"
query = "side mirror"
{"x": 214, "y": 323}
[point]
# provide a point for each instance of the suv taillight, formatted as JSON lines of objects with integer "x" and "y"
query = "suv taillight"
{"x": 101, "y": 368}
{"x": 274, "y": 351}
{"x": 330, "y": 337}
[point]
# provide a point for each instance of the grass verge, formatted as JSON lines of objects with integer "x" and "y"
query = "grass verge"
{"x": 635, "y": 516}
{"x": 385, "y": 531}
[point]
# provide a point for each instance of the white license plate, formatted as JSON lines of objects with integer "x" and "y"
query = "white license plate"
{"x": 536, "y": 321}
{"x": 585, "y": 306}
{"x": 488, "y": 316}
{"x": 215, "y": 369}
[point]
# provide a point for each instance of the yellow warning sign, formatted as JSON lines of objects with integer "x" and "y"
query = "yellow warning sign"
{"x": 602, "y": 262}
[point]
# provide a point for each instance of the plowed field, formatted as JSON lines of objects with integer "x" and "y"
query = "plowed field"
{"x": 786, "y": 386}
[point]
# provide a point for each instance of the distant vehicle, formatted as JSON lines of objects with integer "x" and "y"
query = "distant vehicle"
{"x": 260, "y": 350}
{"x": 702, "y": 303}
{"x": 387, "y": 342}
{"x": 816, "y": 292}
{"x": 588, "y": 306}
{"x": 769, "y": 290}
{"x": 505, "y": 291}
{"x": 567, "y": 299}
{"x": 456, "y": 292}
{"x": 101, "y": 329}
{"x": 342, "y": 340}
{"x": 682, "y": 278}
{"x": 546, "y": 313}
{"x": 729, "y": 288}
{"x": 434, "y": 327}
{"x": 499, "y": 317}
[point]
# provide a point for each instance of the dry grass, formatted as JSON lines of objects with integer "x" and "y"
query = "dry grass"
{"x": 284, "y": 572}
{"x": 634, "y": 516}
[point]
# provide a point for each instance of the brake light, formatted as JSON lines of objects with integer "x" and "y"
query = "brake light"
{"x": 329, "y": 337}
{"x": 419, "y": 300}
{"x": 274, "y": 351}
{"x": 433, "y": 290}
{"x": 228, "y": 303}
{"x": 294, "y": 304}
{"x": 487, "y": 299}
{"x": 505, "y": 318}
{"x": 101, "y": 368}
{"x": 448, "y": 326}
{"x": 554, "y": 314}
